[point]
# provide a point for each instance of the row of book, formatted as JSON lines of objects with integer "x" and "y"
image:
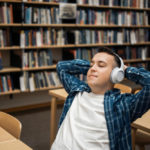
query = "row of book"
{"x": 103, "y": 17}
{"x": 38, "y": 37}
{"x": 46, "y": 15}
{"x": 111, "y": 36}
{"x": 4, "y": 37}
{"x": 51, "y": 36}
{"x": 133, "y": 53}
{"x": 6, "y": 13}
{"x": 37, "y": 80}
{"x": 29, "y": 81}
{"x": 139, "y": 64}
{"x": 124, "y": 3}
{"x": 37, "y": 58}
{"x": 6, "y": 83}
{"x": 84, "y": 16}
{"x": 1, "y": 65}
{"x": 125, "y": 53}
{"x": 41, "y": 15}
{"x": 61, "y": 37}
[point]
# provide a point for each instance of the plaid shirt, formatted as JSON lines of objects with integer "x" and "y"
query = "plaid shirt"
{"x": 120, "y": 109}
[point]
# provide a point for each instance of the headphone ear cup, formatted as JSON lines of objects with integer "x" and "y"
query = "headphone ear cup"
{"x": 113, "y": 75}
{"x": 117, "y": 75}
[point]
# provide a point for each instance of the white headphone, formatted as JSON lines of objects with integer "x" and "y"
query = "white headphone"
{"x": 117, "y": 74}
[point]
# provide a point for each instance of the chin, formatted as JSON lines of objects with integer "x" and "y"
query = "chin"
{"x": 91, "y": 83}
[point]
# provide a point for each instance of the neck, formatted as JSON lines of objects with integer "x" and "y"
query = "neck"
{"x": 101, "y": 90}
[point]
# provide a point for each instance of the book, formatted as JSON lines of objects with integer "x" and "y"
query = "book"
{"x": 1, "y": 65}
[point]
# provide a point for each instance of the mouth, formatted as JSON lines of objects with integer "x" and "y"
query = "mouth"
{"x": 92, "y": 76}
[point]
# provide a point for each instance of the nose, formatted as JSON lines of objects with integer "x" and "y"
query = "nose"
{"x": 93, "y": 68}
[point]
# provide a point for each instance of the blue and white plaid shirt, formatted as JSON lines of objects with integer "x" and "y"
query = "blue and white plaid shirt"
{"x": 120, "y": 109}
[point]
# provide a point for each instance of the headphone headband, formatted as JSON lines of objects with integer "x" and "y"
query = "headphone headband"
{"x": 121, "y": 61}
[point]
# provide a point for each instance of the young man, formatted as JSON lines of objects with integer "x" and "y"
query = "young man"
{"x": 96, "y": 116}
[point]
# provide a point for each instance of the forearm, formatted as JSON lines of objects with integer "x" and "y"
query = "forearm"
{"x": 76, "y": 66}
{"x": 140, "y": 102}
{"x": 67, "y": 71}
{"x": 138, "y": 75}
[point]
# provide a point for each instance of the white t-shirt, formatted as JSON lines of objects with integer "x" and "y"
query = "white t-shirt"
{"x": 84, "y": 127}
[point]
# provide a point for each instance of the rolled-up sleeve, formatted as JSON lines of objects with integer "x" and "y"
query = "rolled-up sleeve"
{"x": 67, "y": 71}
{"x": 140, "y": 102}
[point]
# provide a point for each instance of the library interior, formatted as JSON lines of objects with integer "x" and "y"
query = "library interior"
{"x": 35, "y": 35}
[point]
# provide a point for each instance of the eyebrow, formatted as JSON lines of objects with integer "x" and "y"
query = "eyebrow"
{"x": 99, "y": 62}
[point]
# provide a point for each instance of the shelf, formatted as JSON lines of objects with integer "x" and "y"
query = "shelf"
{"x": 136, "y": 60}
{"x": 42, "y": 3}
{"x": 15, "y": 69}
{"x": 10, "y": 25}
{"x": 110, "y": 44}
{"x": 28, "y": 91}
{"x": 10, "y": 69}
{"x": 11, "y": 1}
{"x": 39, "y": 68}
{"x": 85, "y": 26}
{"x": 48, "y": 88}
{"x": 10, "y": 92}
{"x": 73, "y": 46}
{"x": 42, "y": 89}
{"x": 10, "y": 48}
{"x": 73, "y": 25}
{"x": 79, "y": 5}
{"x": 112, "y": 7}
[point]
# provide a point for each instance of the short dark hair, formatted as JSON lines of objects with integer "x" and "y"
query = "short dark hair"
{"x": 110, "y": 52}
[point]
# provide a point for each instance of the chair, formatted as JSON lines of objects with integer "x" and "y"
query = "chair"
{"x": 123, "y": 88}
{"x": 10, "y": 124}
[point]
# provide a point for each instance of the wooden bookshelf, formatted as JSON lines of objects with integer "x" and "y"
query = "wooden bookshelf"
{"x": 10, "y": 92}
{"x": 41, "y": 3}
{"x": 136, "y": 60}
{"x": 27, "y": 91}
{"x": 48, "y": 88}
{"x": 7, "y": 48}
{"x": 10, "y": 25}
{"x": 19, "y": 24}
{"x": 74, "y": 46}
{"x": 113, "y": 7}
{"x": 11, "y": 1}
{"x": 10, "y": 69}
{"x": 79, "y": 26}
{"x": 39, "y": 68}
{"x": 15, "y": 69}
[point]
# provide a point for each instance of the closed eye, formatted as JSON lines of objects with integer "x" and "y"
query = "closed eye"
{"x": 101, "y": 64}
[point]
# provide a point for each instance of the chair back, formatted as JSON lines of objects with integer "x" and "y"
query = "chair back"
{"x": 10, "y": 124}
{"x": 123, "y": 88}
{"x": 136, "y": 91}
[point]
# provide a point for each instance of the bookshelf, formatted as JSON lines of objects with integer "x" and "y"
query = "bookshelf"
{"x": 29, "y": 29}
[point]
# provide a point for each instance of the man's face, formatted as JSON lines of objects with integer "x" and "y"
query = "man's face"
{"x": 98, "y": 75}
